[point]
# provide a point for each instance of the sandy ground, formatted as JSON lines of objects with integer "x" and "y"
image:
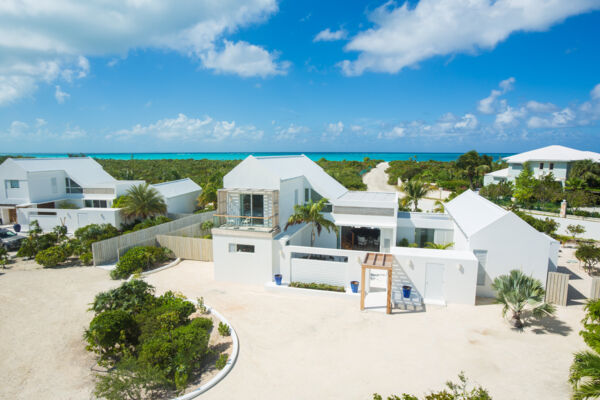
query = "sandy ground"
{"x": 296, "y": 347}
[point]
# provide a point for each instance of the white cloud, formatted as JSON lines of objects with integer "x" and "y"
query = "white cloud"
{"x": 558, "y": 119}
{"x": 184, "y": 128}
{"x": 394, "y": 133}
{"x": 404, "y": 35}
{"x": 507, "y": 85}
{"x": 335, "y": 128}
{"x": 38, "y": 131}
{"x": 327, "y": 35}
{"x": 468, "y": 121}
{"x": 488, "y": 105}
{"x": 44, "y": 41}
{"x": 243, "y": 59}
{"x": 510, "y": 116}
{"x": 291, "y": 132}
{"x": 538, "y": 107}
{"x": 60, "y": 95}
{"x": 595, "y": 93}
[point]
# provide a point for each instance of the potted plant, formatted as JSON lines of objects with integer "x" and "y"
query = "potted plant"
{"x": 406, "y": 291}
{"x": 354, "y": 286}
{"x": 278, "y": 279}
{"x": 17, "y": 228}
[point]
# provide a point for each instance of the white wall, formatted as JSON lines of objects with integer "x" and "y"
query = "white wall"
{"x": 40, "y": 186}
{"x": 511, "y": 244}
{"x": 460, "y": 240}
{"x": 249, "y": 174}
{"x": 460, "y": 272}
{"x": 183, "y": 204}
{"x": 253, "y": 268}
{"x": 287, "y": 198}
{"x": 10, "y": 171}
{"x": 73, "y": 219}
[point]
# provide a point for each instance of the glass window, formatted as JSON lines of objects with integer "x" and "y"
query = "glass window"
{"x": 72, "y": 186}
{"x": 14, "y": 184}
{"x": 423, "y": 235}
{"x": 241, "y": 248}
{"x": 306, "y": 195}
{"x": 95, "y": 203}
{"x": 541, "y": 165}
{"x": 551, "y": 166}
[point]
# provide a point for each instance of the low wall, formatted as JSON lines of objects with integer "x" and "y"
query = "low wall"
{"x": 188, "y": 248}
{"x": 109, "y": 250}
{"x": 73, "y": 219}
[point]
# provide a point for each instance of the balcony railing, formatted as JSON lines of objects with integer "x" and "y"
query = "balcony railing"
{"x": 244, "y": 222}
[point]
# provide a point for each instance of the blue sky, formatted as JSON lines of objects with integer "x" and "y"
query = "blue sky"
{"x": 267, "y": 75}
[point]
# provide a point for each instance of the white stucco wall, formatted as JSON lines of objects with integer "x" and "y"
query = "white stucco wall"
{"x": 287, "y": 197}
{"x": 251, "y": 268}
{"x": 40, "y": 186}
{"x": 560, "y": 170}
{"x": 183, "y": 204}
{"x": 10, "y": 171}
{"x": 73, "y": 219}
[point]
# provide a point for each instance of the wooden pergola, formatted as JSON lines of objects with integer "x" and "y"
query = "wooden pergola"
{"x": 382, "y": 262}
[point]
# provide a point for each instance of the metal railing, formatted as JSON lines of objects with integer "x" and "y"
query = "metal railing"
{"x": 241, "y": 221}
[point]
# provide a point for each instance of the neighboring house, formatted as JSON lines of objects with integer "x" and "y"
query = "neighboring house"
{"x": 180, "y": 196}
{"x": 551, "y": 159}
{"x": 42, "y": 188}
{"x": 250, "y": 243}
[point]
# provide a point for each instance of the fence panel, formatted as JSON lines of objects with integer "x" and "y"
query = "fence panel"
{"x": 557, "y": 288}
{"x": 189, "y": 248}
{"x": 595, "y": 292}
{"x": 109, "y": 250}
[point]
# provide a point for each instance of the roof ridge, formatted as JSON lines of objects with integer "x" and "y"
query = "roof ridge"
{"x": 176, "y": 180}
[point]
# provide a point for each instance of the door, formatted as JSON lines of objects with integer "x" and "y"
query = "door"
{"x": 434, "y": 283}
{"x": 82, "y": 220}
{"x": 12, "y": 215}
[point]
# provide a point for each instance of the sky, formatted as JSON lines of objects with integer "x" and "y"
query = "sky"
{"x": 267, "y": 75}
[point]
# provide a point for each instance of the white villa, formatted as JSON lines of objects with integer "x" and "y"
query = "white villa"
{"x": 551, "y": 159}
{"x": 38, "y": 188}
{"x": 250, "y": 244}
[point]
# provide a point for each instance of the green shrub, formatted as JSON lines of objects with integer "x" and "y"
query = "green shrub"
{"x": 93, "y": 233}
{"x": 403, "y": 243}
{"x": 318, "y": 286}
{"x": 453, "y": 391}
{"x": 139, "y": 259}
{"x": 51, "y": 257}
{"x": 86, "y": 258}
{"x": 131, "y": 296}
{"x": 111, "y": 333}
{"x": 224, "y": 329}
{"x": 147, "y": 223}
{"x": 168, "y": 312}
{"x": 221, "y": 361}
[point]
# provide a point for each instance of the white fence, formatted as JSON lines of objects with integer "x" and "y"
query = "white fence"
{"x": 73, "y": 219}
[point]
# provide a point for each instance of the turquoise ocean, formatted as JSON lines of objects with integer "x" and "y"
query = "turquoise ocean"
{"x": 333, "y": 156}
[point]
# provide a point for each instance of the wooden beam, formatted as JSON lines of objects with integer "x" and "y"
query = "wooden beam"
{"x": 362, "y": 289}
{"x": 389, "y": 292}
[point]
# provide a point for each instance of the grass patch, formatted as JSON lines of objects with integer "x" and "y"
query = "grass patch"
{"x": 318, "y": 286}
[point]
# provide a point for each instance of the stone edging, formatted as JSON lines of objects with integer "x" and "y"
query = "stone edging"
{"x": 152, "y": 271}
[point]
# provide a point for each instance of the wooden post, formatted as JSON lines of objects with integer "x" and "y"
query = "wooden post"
{"x": 389, "y": 292}
{"x": 362, "y": 288}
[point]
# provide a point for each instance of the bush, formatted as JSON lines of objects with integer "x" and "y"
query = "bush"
{"x": 224, "y": 329}
{"x": 318, "y": 286}
{"x": 138, "y": 259}
{"x": 545, "y": 225}
{"x": 131, "y": 297}
{"x": 51, "y": 257}
{"x": 453, "y": 391}
{"x": 94, "y": 233}
{"x": 87, "y": 258}
{"x": 403, "y": 243}
{"x": 111, "y": 333}
{"x": 221, "y": 361}
{"x": 147, "y": 223}
{"x": 168, "y": 312}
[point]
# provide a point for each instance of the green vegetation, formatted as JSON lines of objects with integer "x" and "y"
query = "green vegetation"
{"x": 224, "y": 329}
{"x": 139, "y": 259}
{"x": 52, "y": 256}
{"x": 584, "y": 374}
{"x": 414, "y": 190}
{"x": 453, "y": 391}
{"x": 3, "y": 257}
{"x": 318, "y": 286}
{"x": 349, "y": 173}
{"x": 519, "y": 293}
{"x": 311, "y": 213}
{"x": 149, "y": 344}
{"x": 143, "y": 201}
{"x": 438, "y": 246}
{"x": 221, "y": 361}
{"x": 546, "y": 225}
{"x": 66, "y": 205}
{"x": 144, "y": 224}
{"x": 575, "y": 229}
{"x": 589, "y": 255}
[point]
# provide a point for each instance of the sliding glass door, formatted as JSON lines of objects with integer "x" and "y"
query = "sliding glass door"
{"x": 252, "y": 207}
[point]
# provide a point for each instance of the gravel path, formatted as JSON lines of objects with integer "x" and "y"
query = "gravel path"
{"x": 377, "y": 180}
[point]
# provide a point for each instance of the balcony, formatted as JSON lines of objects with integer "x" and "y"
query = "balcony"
{"x": 248, "y": 210}
{"x": 249, "y": 223}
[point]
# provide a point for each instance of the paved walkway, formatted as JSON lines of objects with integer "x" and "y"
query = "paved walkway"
{"x": 300, "y": 347}
{"x": 377, "y": 180}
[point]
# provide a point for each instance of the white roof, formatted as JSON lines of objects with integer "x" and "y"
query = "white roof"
{"x": 83, "y": 170}
{"x": 501, "y": 173}
{"x": 367, "y": 199}
{"x": 373, "y": 221}
{"x": 471, "y": 212}
{"x": 293, "y": 166}
{"x": 177, "y": 188}
{"x": 554, "y": 153}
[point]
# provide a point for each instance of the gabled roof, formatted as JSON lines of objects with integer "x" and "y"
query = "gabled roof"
{"x": 553, "y": 153}
{"x": 177, "y": 188}
{"x": 83, "y": 170}
{"x": 472, "y": 212}
{"x": 368, "y": 199}
{"x": 501, "y": 173}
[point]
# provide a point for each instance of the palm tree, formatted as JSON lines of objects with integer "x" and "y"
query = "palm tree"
{"x": 143, "y": 201}
{"x": 310, "y": 213}
{"x": 208, "y": 195}
{"x": 439, "y": 207}
{"x": 584, "y": 375}
{"x": 520, "y": 293}
{"x": 438, "y": 246}
{"x": 414, "y": 190}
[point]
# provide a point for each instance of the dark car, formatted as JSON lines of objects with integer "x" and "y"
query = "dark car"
{"x": 10, "y": 240}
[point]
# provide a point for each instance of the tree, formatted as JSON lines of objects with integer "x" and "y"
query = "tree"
{"x": 208, "y": 195}
{"x": 525, "y": 185}
{"x": 439, "y": 246}
{"x": 586, "y": 170}
{"x": 589, "y": 255}
{"x": 584, "y": 374}
{"x": 310, "y": 213}
{"x": 439, "y": 207}
{"x": 143, "y": 201}
{"x": 520, "y": 293}
{"x": 469, "y": 162}
{"x": 548, "y": 189}
{"x": 575, "y": 230}
{"x": 414, "y": 190}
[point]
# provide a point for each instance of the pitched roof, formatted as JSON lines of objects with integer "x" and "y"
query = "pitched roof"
{"x": 177, "y": 188}
{"x": 501, "y": 173}
{"x": 292, "y": 166}
{"x": 472, "y": 212}
{"x": 553, "y": 153}
{"x": 368, "y": 199}
{"x": 83, "y": 170}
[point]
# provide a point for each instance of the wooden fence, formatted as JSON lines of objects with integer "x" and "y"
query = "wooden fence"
{"x": 557, "y": 288}
{"x": 189, "y": 248}
{"x": 109, "y": 250}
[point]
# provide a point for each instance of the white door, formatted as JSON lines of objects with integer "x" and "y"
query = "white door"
{"x": 434, "y": 283}
{"x": 82, "y": 220}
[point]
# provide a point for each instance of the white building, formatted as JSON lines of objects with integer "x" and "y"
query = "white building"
{"x": 551, "y": 159}
{"x": 73, "y": 191}
{"x": 180, "y": 195}
{"x": 250, "y": 243}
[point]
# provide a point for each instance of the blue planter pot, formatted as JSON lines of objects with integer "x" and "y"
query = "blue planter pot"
{"x": 406, "y": 291}
{"x": 354, "y": 286}
{"x": 17, "y": 228}
{"x": 278, "y": 279}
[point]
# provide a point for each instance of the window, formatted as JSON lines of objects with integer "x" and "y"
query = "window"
{"x": 241, "y": 248}
{"x": 541, "y": 165}
{"x": 482, "y": 258}
{"x": 252, "y": 205}
{"x": 551, "y": 166}
{"x": 72, "y": 187}
{"x": 13, "y": 184}
{"x": 306, "y": 195}
{"x": 424, "y": 235}
{"x": 96, "y": 203}
{"x": 320, "y": 257}
{"x": 54, "y": 185}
